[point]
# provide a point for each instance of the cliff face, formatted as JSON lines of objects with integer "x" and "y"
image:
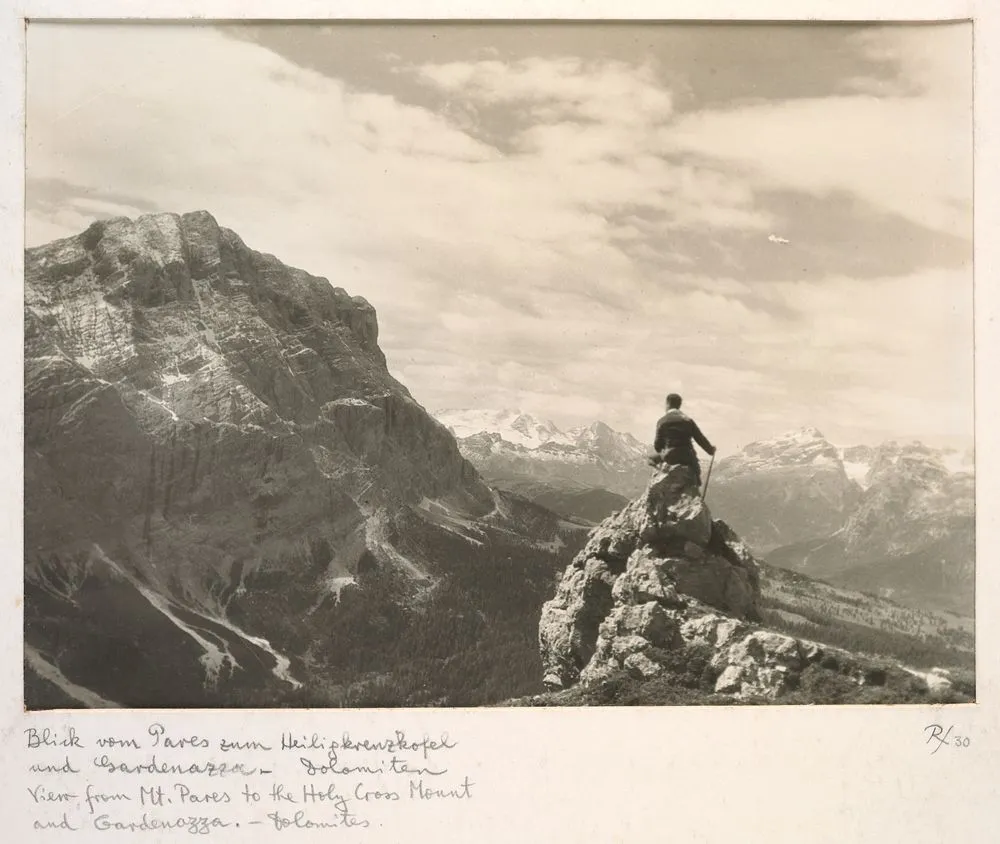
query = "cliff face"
{"x": 217, "y": 434}
{"x": 911, "y": 500}
{"x": 179, "y": 323}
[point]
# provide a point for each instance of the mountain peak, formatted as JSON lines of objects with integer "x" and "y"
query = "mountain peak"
{"x": 807, "y": 433}
{"x": 802, "y": 445}
{"x": 188, "y": 263}
{"x": 513, "y": 425}
{"x": 523, "y": 445}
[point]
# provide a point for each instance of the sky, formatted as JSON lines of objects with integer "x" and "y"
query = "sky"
{"x": 570, "y": 219}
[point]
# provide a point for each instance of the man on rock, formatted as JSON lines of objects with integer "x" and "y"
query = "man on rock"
{"x": 673, "y": 443}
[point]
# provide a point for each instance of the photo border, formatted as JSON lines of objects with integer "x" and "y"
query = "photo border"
{"x": 828, "y": 773}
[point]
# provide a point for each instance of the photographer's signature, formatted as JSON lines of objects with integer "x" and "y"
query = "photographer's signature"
{"x": 938, "y": 736}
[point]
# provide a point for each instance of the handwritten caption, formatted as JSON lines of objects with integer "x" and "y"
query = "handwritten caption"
{"x": 158, "y": 780}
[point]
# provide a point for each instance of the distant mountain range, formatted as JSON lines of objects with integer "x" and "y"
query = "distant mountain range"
{"x": 518, "y": 451}
{"x": 910, "y": 534}
{"x": 895, "y": 519}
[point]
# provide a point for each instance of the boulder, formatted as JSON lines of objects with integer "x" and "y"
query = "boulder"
{"x": 762, "y": 664}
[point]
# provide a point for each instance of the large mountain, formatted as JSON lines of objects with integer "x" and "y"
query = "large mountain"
{"x": 911, "y": 535}
{"x": 583, "y": 472}
{"x": 228, "y": 497}
{"x": 787, "y": 489}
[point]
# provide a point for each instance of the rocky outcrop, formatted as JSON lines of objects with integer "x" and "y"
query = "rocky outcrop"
{"x": 634, "y": 585}
{"x": 661, "y": 581}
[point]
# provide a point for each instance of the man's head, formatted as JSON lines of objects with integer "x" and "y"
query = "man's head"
{"x": 673, "y": 401}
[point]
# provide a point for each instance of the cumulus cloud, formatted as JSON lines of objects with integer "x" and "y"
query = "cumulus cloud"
{"x": 903, "y": 144}
{"x": 531, "y": 272}
{"x": 591, "y": 130}
{"x": 560, "y": 88}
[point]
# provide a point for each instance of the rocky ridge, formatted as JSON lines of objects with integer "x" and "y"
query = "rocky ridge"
{"x": 911, "y": 498}
{"x": 514, "y": 426}
{"x": 661, "y": 581}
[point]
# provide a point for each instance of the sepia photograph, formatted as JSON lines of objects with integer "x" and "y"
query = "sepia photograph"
{"x": 498, "y": 364}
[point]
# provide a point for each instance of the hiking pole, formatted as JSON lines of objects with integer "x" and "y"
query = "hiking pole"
{"x": 708, "y": 477}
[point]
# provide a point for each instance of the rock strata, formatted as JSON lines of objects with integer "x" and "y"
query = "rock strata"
{"x": 226, "y": 491}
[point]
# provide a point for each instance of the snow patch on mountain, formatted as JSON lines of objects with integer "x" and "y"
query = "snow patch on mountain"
{"x": 47, "y": 671}
{"x": 798, "y": 448}
{"x": 510, "y": 443}
{"x": 857, "y": 472}
{"x": 514, "y": 426}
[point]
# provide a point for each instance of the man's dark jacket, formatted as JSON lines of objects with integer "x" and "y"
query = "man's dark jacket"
{"x": 674, "y": 433}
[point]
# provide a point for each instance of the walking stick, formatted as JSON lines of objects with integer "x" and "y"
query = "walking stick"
{"x": 708, "y": 477}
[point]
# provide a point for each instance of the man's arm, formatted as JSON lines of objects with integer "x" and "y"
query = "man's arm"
{"x": 701, "y": 439}
{"x": 661, "y": 437}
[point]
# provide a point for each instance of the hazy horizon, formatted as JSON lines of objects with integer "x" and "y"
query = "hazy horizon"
{"x": 571, "y": 220}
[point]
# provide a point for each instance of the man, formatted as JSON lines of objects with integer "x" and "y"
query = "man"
{"x": 674, "y": 433}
